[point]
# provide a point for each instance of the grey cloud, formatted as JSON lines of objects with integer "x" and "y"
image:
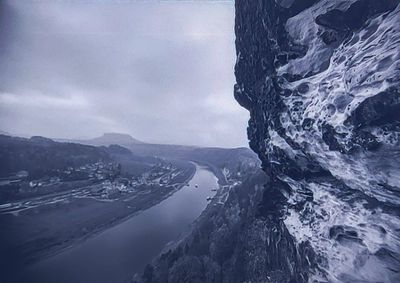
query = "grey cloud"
{"x": 161, "y": 71}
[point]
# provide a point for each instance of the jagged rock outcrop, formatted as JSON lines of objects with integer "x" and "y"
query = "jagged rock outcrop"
{"x": 321, "y": 82}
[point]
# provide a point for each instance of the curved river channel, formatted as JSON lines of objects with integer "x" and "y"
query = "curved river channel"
{"x": 116, "y": 254}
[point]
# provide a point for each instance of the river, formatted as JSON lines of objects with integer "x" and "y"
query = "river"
{"x": 123, "y": 250}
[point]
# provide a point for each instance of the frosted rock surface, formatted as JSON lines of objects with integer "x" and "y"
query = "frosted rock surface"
{"x": 321, "y": 80}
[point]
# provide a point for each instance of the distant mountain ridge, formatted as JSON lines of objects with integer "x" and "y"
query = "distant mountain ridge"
{"x": 215, "y": 158}
{"x": 170, "y": 151}
{"x": 40, "y": 156}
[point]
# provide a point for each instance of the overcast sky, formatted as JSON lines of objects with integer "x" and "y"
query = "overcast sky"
{"x": 160, "y": 71}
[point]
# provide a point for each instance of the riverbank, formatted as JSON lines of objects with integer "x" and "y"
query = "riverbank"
{"x": 112, "y": 255}
{"x": 48, "y": 229}
{"x": 215, "y": 246}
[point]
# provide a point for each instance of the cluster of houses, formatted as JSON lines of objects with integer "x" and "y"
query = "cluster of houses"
{"x": 107, "y": 182}
{"x": 96, "y": 171}
{"x": 160, "y": 175}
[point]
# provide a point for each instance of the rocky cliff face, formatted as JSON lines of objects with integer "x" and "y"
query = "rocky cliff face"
{"x": 321, "y": 82}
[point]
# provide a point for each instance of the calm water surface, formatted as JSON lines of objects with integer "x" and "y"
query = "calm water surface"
{"x": 121, "y": 251}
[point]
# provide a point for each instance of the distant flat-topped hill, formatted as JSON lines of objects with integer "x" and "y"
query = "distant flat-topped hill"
{"x": 107, "y": 139}
{"x": 114, "y": 138}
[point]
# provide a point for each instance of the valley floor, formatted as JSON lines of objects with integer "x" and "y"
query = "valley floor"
{"x": 40, "y": 227}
